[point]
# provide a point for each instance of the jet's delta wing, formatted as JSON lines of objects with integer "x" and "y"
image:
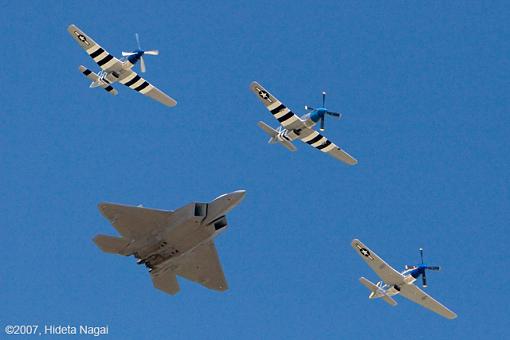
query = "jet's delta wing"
{"x": 381, "y": 268}
{"x": 202, "y": 265}
{"x": 135, "y": 222}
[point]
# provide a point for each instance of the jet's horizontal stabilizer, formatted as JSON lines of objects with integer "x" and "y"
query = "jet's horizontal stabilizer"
{"x": 274, "y": 136}
{"x": 111, "y": 244}
{"x": 373, "y": 288}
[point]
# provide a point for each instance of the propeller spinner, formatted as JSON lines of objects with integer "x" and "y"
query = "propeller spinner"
{"x": 138, "y": 54}
{"x": 422, "y": 269}
{"x": 322, "y": 111}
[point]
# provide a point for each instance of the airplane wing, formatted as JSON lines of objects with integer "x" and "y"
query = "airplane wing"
{"x": 203, "y": 266}
{"x": 165, "y": 280}
{"x": 284, "y": 115}
{"x": 135, "y": 222}
{"x": 132, "y": 80}
{"x": 318, "y": 141}
{"x": 104, "y": 59}
{"x": 415, "y": 294}
{"x": 381, "y": 268}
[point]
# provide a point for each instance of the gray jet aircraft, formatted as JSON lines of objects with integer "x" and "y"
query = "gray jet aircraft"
{"x": 171, "y": 243}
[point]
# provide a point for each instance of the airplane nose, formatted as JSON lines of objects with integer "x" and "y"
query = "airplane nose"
{"x": 237, "y": 196}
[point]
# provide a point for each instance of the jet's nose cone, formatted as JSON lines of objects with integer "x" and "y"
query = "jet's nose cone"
{"x": 237, "y": 196}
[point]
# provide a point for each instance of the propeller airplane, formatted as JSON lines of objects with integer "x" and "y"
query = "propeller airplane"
{"x": 115, "y": 70}
{"x": 294, "y": 127}
{"x": 394, "y": 282}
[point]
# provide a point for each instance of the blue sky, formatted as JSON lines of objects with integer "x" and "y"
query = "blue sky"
{"x": 423, "y": 87}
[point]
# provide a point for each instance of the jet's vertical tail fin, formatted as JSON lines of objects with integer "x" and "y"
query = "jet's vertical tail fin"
{"x": 96, "y": 81}
{"x": 373, "y": 289}
{"x": 274, "y": 136}
{"x": 111, "y": 244}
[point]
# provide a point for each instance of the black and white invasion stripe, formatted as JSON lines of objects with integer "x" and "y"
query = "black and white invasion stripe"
{"x": 101, "y": 57}
{"x": 137, "y": 83}
{"x": 318, "y": 141}
{"x": 282, "y": 113}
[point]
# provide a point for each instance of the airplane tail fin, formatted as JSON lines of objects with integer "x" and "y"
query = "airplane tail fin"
{"x": 96, "y": 81}
{"x": 111, "y": 244}
{"x": 274, "y": 137}
{"x": 373, "y": 288}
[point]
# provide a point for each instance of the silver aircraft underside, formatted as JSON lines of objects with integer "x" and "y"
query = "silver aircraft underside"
{"x": 171, "y": 243}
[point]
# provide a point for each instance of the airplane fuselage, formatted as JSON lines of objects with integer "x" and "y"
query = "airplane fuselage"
{"x": 308, "y": 120}
{"x": 110, "y": 77}
{"x": 188, "y": 228}
{"x": 390, "y": 290}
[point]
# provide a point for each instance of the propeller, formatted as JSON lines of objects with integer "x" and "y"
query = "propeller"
{"x": 425, "y": 268}
{"x": 142, "y": 64}
{"x": 140, "y": 53}
{"x": 323, "y": 111}
{"x": 137, "y": 37}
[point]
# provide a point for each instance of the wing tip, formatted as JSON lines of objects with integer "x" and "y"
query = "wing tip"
{"x": 72, "y": 28}
{"x": 452, "y": 316}
{"x": 171, "y": 103}
{"x": 103, "y": 206}
{"x": 355, "y": 241}
{"x": 222, "y": 287}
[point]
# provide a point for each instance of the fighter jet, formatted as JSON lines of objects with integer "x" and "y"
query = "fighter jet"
{"x": 171, "y": 243}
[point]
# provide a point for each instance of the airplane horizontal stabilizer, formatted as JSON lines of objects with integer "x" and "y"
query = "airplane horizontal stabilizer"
{"x": 273, "y": 134}
{"x": 373, "y": 288}
{"x": 267, "y": 129}
{"x": 389, "y": 300}
{"x": 111, "y": 244}
{"x": 96, "y": 81}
